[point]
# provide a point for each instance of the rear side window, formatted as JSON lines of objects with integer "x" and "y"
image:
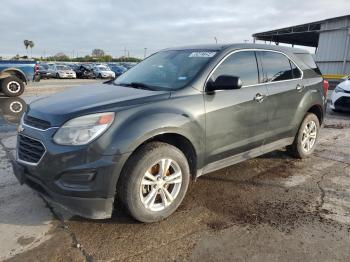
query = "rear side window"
{"x": 241, "y": 64}
{"x": 309, "y": 61}
{"x": 277, "y": 67}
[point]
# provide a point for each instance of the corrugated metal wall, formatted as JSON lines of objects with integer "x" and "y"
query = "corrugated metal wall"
{"x": 333, "y": 48}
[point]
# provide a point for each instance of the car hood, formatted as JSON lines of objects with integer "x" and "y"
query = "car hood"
{"x": 345, "y": 85}
{"x": 106, "y": 72}
{"x": 59, "y": 108}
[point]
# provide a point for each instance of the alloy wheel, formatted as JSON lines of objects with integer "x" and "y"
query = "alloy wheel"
{"x": 160, "y": 185}
{"x": 309, "y": 136}
{"x": 13, "y": 87}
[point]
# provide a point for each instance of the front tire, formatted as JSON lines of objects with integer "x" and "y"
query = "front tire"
{"x": 305, "y": 141}
{"x": 12, "y": 86}
{"x": 154, "y": 182}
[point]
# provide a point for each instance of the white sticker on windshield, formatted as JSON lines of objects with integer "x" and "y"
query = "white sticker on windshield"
{"x": 202, "y": 54}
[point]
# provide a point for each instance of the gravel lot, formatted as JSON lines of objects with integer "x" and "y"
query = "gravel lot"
{"x": 272, "y": 208}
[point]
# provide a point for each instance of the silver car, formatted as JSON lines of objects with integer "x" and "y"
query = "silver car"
{"x": 102, "y": 71}
{"x": 61, "y": 71}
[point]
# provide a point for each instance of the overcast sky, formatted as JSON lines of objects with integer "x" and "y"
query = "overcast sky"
{"x": 80, "y": 25}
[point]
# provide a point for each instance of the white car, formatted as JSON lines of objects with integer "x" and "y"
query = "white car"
{"x": 340, "y": 99}
{"x": 61, "y": 71}
{"x": 102, "y": 71}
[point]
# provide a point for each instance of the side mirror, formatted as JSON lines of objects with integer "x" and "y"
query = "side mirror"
{"x": 224, "y": 82}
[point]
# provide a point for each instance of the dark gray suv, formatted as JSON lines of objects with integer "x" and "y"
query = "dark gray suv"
{"x": 179, "y": 114}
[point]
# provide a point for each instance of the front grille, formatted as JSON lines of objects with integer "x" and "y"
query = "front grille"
{"x": 343, "y": 102}
{"x": 29, "y": 150}
{"x": 36, "y": 122}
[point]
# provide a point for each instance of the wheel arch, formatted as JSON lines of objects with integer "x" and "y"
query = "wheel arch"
{"x": 177, "y": 140}
{"x": 13, "y": 72}
{"x": 318, "y": 111}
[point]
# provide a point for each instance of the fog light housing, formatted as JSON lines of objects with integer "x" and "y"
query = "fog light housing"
{"x": 77, "y": 179}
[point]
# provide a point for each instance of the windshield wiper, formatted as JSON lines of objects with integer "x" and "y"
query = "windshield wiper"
{"x": 137, "y": 85}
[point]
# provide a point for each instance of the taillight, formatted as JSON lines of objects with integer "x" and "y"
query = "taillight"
{"x": 325, "y": 86}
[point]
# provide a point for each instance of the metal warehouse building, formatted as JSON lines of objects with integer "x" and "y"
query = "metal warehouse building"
{"x": 331, "y": 37}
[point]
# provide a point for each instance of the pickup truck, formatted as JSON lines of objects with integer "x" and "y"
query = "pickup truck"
{"x": 15, "y": 74}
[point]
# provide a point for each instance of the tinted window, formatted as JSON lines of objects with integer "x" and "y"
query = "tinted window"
{"x": 242, "y": 65}
{"x": 309, "y": 61}
{"x": 276, "y": 67}
{"x": 168, "y": 70}
{"x": 295, "y": 71}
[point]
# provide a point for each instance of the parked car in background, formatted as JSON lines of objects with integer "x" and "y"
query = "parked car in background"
{"x": 14, "y": 74}
{"x": 177, "y": 115}
{"x": 61, "y": 71}
{"x": 340, "y": 98}
{"x": 128, "y": 65}
{"x": 85, "y": 71}
{"x": 43, "y": 71}
{"x": 117, "y": 69}
{"x": 103, "y": 71}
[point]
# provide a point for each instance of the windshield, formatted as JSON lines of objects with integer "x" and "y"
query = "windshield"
{"x": 102, "y": 68}
{"x": 62, "y": 68}
{"x": 167, "y": 70}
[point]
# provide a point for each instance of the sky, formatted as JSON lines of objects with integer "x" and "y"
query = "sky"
{"x": 76, "y": 27}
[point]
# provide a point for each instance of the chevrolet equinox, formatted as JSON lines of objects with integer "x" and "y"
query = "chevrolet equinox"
{"x": 181, "y": 113}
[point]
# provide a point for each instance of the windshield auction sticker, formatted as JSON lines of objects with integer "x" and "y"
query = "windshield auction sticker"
{"x": 202, "y": 54}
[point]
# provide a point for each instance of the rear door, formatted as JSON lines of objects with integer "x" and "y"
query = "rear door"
{"x": 235, "y": 121}
{"x": 285, "y": 90}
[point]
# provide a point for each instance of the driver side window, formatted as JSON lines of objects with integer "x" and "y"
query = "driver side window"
{"x": 241, "y": 64}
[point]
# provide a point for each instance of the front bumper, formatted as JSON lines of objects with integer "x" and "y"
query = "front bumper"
{"x": 76, "y": 177}
{"x": 93, "y": 208}
{"x": 65, "y": 75}
{"x": 107, "y": 75}
{"x": 340, "y": 101}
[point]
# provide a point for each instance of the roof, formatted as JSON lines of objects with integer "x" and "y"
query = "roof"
{"x": 219, "y": 47}
{"x": 304, "y": 34}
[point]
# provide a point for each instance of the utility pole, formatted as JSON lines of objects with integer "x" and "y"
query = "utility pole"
{"x": 124, "y": 51}
{"x": 128, "y": 53}
{"x": 216, "y": 40}
{"x": 145, "y": 53}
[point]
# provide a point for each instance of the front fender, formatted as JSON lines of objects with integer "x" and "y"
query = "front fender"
{"x": 131, "y": 133}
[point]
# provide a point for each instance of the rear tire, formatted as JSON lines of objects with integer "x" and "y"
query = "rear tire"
{"x": 12, "y": 86}
{"x": 149, "y": 194}
{"x": 305, "y": 141}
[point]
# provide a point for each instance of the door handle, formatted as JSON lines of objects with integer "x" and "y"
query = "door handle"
{"x": 259, "y": 97}
{"x": 299, "y": 87}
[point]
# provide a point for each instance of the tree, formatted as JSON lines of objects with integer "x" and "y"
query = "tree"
{"x": 31, "y": 45}
{"x": 97, "y": 52}
{"x": 26, "y": 44}
{"x": 61, "y": 57}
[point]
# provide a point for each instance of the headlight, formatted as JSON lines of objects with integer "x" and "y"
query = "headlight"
{"x": 339, "y": 89}
{"x": 82, "y": 130}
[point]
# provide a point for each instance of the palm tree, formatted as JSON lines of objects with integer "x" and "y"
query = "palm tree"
{"x": 31, "y": 45}
{"x": 26, "y": 44}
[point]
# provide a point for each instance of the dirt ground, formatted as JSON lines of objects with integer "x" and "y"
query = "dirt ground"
{"x": 272, "y": 208}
